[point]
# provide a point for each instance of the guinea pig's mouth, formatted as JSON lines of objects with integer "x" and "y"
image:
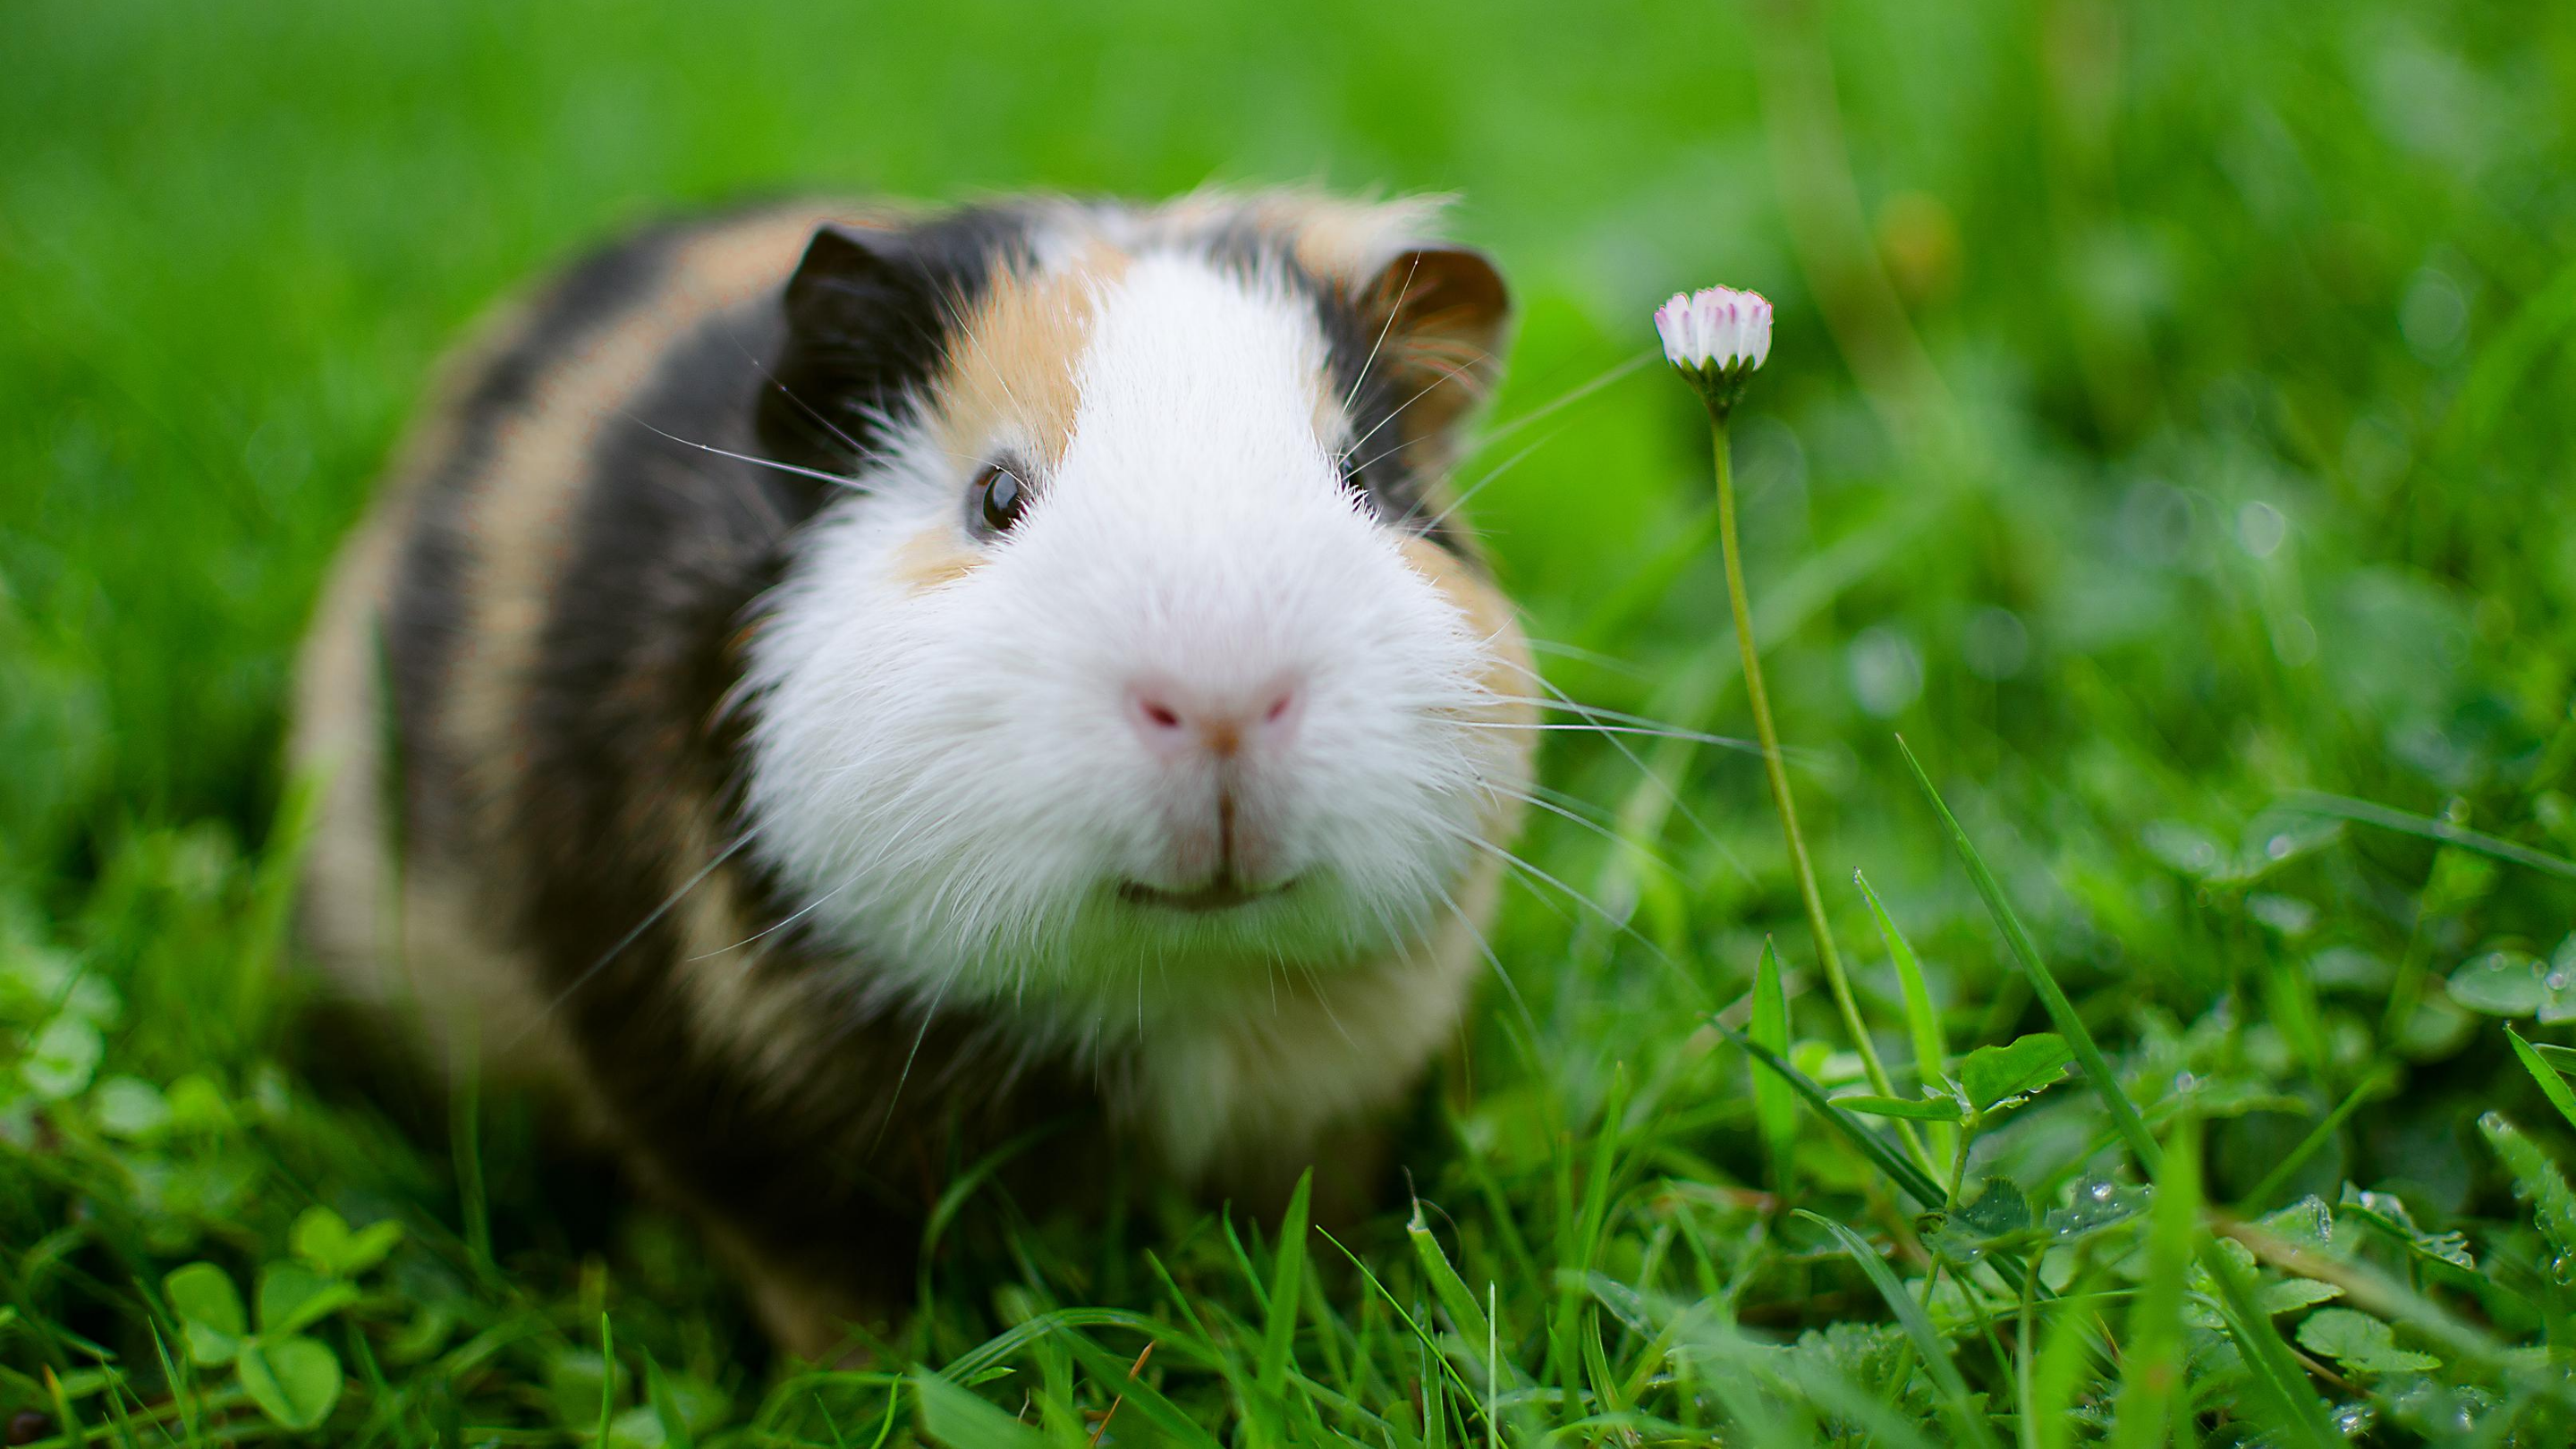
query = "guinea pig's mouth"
{"x": 1223, "y": 894}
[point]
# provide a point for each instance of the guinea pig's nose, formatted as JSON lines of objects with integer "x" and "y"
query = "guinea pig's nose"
{"x": 1176, "y": 719}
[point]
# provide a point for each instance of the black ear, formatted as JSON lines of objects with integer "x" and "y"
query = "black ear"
{"x": 868, "y": 316}
{"x": 1438, "y": 319}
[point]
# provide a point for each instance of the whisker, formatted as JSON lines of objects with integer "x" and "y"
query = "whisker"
{"x": 1388, "y": 326}
{"x": 629, "y": 939}
{"x": 1493, "y": 958}
{"x": 929, "y": 1014}
{"x": 1434, "y": 386}
{"x": 853, "y": 444}
{"x": 791, "y": 919}
{"x": 1595, "y": 711}
{"x": 1694, "y": 736}
{"x": 1805, "y": 756}
{"x": 1597, "y": 828}
{"x": 1570, "y": 801}
{"x": 1498, "y": 471}
{"x": 1671, "y": 796}
{"x": 1614, "y": 374}
{"x": 1593, "y": 657}
{"x": 1616, "y": 923}
{"x": 835, "y": 479}
{"x": 1322, "y": 997}
{"x": 1373, "y": 459}
{"x": 1509, "y": 858}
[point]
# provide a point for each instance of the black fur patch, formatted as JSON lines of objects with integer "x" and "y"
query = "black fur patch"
{"x": 869, "y": 314}
{"x": 425, "y": 615}
{"x": 1385, "y": 463}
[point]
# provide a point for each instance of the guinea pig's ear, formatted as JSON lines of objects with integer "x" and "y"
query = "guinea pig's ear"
{"x": 1437, "y": 320}
{"x": 865, "y": 326}
{"x": 852, "y": 278}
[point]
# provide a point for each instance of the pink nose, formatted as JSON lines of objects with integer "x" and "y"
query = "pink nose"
{"x": 1178, "y": 720}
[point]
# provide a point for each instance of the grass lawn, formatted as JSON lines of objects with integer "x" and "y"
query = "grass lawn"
{"x": 2168, "y": 432}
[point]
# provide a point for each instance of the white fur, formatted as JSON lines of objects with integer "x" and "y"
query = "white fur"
{"x": 949, "y": 778}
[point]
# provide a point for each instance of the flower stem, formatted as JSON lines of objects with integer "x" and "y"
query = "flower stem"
{"x": 1778, "y": 771}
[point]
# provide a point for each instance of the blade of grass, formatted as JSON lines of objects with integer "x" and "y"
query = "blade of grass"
{"x": 2062, "y": 1361}
{"x": 1133, "y": 1369}
{"x": 1493, "y": 1370}
{"x": 2552, "y": 1085}
{"x": 1607, "y": 1390}
{"x": 2151, "y": 1369}
{"x": 2406, "y": 822}
{"x": 1775, "y": 1106}
{"x": 2278, "y": 1381}
{"x": 1279, "y": 1331}
{"x": 961, "y": 1419}
{"x": 1356, "y": 1378}
{"x": 974, "y": 1363}
{"x": 1914, "y": 1109}
{"x": 2507, "y": 361}
{"x": 607, "y": 1378}
{"x": 1579, "y": 1253}
{"x": 465, "y": 1126}
{"x": 666, "y": 1405}
{"x": 2287, "y": 1167}
{"x": 2538, "y": 1182}
{"x": 2553, "y": 1204}
{"x": 2025, "y": 1377}
{"x": 1421, "y": 1334}
{"x": 1139, "y": 1395}
{"x": 1922, "y": 1022}
{"x": 1243, "y": 1264}
{"x": 1918, "y": 1328}
{"x": 2061, "y": 1012}
{"x": 1465, "y": 1313}
{"x": 1917, "y": 1183}
{"x": 2378, "y": 1294}
{"x": 1435, "y": 1402}
{"x": 64, "y": 1420}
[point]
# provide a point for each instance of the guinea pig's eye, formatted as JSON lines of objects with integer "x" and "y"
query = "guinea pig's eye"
{"x": 996, "y": 501}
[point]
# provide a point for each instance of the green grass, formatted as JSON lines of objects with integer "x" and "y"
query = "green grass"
{"x": 2169, "y": 431}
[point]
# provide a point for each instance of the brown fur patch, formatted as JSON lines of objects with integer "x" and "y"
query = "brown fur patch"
{"x": 1489, "y": 616}
{"x": 1342, "y": 238}
{"x": 933, "y": 557}
{"x": 522, "y": 511}
{"x": 404, "y": 936}
{"x": 1509, "y": 676}
{"x": 1350, "y": 239}
{"x": 1014, "y": 381}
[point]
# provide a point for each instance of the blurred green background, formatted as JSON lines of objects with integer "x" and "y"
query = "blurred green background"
{"x": 2171, "y": 412}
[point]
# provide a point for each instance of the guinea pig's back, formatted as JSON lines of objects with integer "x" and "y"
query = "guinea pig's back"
{"x": 486, "y": 572}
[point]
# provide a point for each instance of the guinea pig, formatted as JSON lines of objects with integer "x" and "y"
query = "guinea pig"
{"x": 830, "y": 691}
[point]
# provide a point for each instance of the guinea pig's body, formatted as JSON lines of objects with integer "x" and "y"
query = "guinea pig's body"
{"x": 830, "y": 692}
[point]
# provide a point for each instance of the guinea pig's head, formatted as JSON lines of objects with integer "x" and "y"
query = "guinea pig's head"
{"x": 1143, "y": 655}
